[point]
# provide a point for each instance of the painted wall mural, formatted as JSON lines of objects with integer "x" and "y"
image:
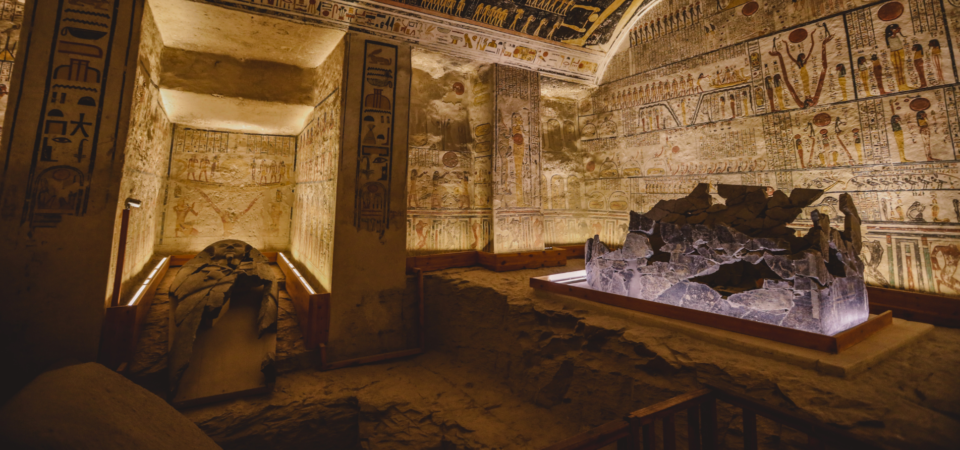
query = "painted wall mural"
{"x": 449, "y": 186}
{"x": 518, "y": 221}
{"x": 11, "y": 18}
{"x": 224, "y": 185}
{"x": 392, "y": 20}
{"x": 318, "y": 163}
{"x": 63, "y": 159}
{"x": 833, "y": 95}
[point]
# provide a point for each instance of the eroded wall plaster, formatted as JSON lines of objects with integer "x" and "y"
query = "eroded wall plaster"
{"x": 449, "y": 185}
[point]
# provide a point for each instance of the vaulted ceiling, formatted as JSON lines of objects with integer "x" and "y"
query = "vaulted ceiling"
{"x": 566, "y": 38}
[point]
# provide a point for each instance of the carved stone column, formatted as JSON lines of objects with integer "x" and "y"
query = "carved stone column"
{"x": 69, "y": 105}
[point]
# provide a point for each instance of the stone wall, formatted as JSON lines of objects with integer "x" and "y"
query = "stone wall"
{"x": 145, "y": 162}
{"x": 224, "y": 185}
{"x": 450, "y": 149}
{"x": 827, "y": 95}
{"x": 318, "y": 156}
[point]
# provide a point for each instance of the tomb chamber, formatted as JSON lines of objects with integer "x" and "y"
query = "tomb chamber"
{"x": 740, "y": 259}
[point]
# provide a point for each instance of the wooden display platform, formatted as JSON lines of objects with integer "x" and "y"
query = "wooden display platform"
{"x": 938, "y": 310}
{"x": 313, "y": 308}
{"x": 573, "y": 251}
{"x": 122, "y": 324}
{"x": 440, "y": 261}
{"x": 574, "y": 284}
{"x": 498, "y": 262}
{"x": 504, "y": 262}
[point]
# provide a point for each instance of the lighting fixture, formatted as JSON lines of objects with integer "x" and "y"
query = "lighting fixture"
{"x": 297, "y": 273}
{"x": 146, "y": 283}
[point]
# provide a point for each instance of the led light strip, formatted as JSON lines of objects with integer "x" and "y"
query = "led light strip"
{"x": 561, "y": 277}
{"x": 146, "y": 283}
{"x": 297, "y": 273}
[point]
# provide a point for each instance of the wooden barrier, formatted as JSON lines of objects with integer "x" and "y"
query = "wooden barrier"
{"x": 440, "y": 261}
{"x": 637, "y": 431}
{"x": 934, "y": 309}
{"x": 573, "y": 251}
{"x": 122, "y": 324}
{"x": 498, "y": 262}
{"x": 504, "y": 262}
{"x": 833, "y": 344}
{"x": 313, "y": 308}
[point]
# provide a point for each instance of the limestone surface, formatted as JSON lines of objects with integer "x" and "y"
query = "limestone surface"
{"x": 740, "y": 259}
{"x": 427, "y": 402}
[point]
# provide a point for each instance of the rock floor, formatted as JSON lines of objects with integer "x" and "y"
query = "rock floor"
{"x": 590, "y": 368}
{"x": 507, "y": 370}
{"x": 425, "y": 402}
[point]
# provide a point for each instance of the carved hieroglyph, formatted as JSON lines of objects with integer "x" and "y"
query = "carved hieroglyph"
{"x": 205, "y": 284}
{"x": 741, "y": 259}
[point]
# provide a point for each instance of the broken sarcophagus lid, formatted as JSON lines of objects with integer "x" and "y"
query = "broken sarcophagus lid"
{"x": 225, "y": 272}
{"x": 740, "y": 259}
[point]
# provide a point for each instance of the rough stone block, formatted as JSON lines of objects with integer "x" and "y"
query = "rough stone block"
{"x": 817, "y": 282}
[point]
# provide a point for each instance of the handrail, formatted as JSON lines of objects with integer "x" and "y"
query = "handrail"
{"x": 637, "y": 430}
{"x": 595, "y": 438}
{"x": 668, "y": 407}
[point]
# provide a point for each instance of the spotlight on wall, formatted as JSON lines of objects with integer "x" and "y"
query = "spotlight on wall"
{"x": 132, "y": 203}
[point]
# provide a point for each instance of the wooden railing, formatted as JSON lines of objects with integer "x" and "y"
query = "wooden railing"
{"x": 638, "y": 430}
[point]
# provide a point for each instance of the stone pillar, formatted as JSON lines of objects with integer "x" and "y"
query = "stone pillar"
{"x": 517, "y": 219}
{"x": 369, "y": 313}
{"x": 69, "y": 107}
